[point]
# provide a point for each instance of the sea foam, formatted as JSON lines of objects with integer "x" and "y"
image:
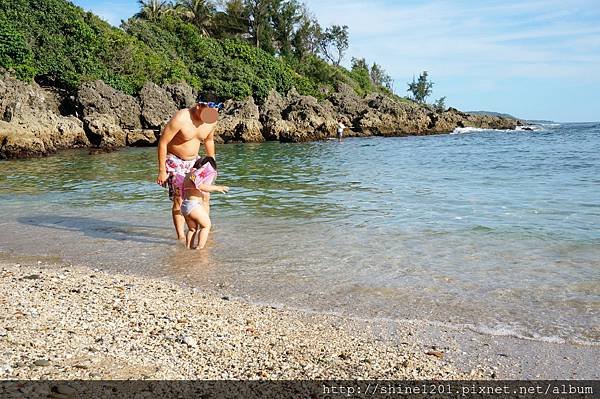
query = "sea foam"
{"x": 461, "y": 130}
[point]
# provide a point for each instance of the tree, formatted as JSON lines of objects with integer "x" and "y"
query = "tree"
{"x": 379, "y": 77}
{"x": 198, "y": 12}
{"x": 334, "y": 43}
{"x": 305, "y": 40}
{"x": 258, "y": 12}
{"x": 440, "y": 104}
{"x": 359, "y": 63}
{"x": 360, "y": 73}
{"x": 233, "y": 21}
{"x": 285, "y": 16}
{"x": 420, "y": 89}
{"x": 152, "y": 10}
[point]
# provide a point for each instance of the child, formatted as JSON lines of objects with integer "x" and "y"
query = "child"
{"x": 196, "y": 183}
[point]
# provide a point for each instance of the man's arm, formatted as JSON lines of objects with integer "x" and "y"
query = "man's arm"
{"x": 209, "y": 144}
{"x": 165, "y": 138}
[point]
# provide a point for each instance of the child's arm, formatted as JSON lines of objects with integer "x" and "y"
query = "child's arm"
{"x": 212, "y": 188}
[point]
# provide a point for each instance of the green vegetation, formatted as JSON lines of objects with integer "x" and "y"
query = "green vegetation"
{"x": 235, "y": 49}
{"x": 440, "y": 104}
{"x": 503, "y": 115}
{"x": 420, "y": 89}
{"x": 15, "y": 52}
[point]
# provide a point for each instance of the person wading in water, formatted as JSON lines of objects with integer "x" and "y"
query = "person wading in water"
{"x": 178, "y": 148}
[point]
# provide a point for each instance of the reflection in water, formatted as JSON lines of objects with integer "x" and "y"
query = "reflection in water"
{"x": 467, "y": 228}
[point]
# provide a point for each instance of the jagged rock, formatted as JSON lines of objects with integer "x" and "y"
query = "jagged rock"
{"x": 157, "y": 105}
{"x": 345, "y": 101}
{"x": 17, "y": 97}
{"x": 273, "y": 104}
{"x": 31, "y": 124}
{"x": 103, "y": 131}
{"x": 41, "y": 135}
{"x": 306, "y": 119}
{"x": 30, "y": 127}
{"x": 99, "y": 98}
{"x": 385, "y": 116}
{"x": 452, "y": 118}
{"x": 20, "y": 145}
{"x": 141, "y": 138}
{"x": 239, "y": 122}
{"x": 182, "y": 94}
{"x": 270, "y": 116}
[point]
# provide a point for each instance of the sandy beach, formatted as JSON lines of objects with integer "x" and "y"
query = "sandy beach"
{"x": 65, "y": 322}
{"x": 79, "y": 323}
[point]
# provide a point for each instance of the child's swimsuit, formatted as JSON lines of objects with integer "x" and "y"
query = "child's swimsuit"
{"x": 187, "y": 206}
{"x": 205, "y": 175}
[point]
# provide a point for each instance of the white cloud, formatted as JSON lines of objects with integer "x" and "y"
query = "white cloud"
{"x": 519, "y": 39}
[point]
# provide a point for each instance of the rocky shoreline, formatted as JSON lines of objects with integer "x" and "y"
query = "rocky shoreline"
{"x": 36, "y": 121}
{"x": 77, "y": 323}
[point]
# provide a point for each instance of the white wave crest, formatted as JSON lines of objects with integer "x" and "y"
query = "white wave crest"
{"x": 534, "y": 128}
{"x": 531, "y": 128}
{"x": 461, "y": 130}
{"x": 511, "y": 331}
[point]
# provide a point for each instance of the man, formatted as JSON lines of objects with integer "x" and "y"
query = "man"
{"x": 178, "y": 150}
{"x": 340, "y": 130}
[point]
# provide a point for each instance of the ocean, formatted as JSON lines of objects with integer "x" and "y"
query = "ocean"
{"x": 493, "y": 231}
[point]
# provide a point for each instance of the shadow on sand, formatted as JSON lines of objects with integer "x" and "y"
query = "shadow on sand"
{"x": 97, "y": 228}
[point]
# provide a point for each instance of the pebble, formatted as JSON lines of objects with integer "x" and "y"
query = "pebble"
{"x": 151, "y": 330}
{"x": 42, "y": 362}
{"x": 6, "y": 370}
{"x": 65, "y": 390}
{"x": 189, "y": 341}
{"x": 437, "y": 354}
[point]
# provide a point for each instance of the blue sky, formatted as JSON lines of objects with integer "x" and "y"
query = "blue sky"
{"x": 532, "y": 59}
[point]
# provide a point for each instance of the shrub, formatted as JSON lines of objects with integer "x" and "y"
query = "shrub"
{"x": 56, "y": 41}
{"x": 15, "y": 53}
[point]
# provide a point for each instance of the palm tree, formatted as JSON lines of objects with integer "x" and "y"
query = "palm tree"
{"x": 151, "y": 10}
{"x": 198, "y": 12}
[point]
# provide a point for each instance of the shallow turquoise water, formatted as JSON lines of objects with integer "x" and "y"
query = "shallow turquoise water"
{"x": 495, "y": 230}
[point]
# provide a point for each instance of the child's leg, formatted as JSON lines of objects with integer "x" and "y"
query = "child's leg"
{"x": 192, "y": 232}
{"x": 206, "y": 202}
{"x": 201, "y": 218}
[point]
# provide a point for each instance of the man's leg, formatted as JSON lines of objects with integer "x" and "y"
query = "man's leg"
{"x": 178, "y": 219}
